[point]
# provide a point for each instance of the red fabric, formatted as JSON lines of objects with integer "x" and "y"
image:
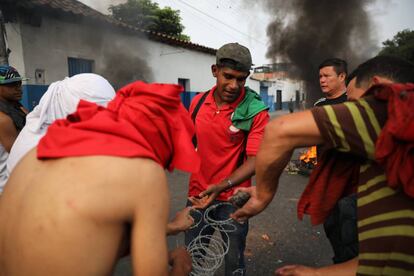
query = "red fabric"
{"x": 335, "y": 176}
{"x": 220, "y": 145}
{"x": 394, "y": 149}
{"x": 143, "y": 120}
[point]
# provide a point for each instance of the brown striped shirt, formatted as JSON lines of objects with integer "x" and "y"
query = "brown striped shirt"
{"x": 385, "y": 215}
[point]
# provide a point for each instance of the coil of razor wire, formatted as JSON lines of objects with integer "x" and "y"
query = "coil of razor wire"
{"x": 208, "y": 251}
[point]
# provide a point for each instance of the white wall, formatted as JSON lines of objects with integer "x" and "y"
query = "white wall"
{"x": 288, "y": 88}
{"x": 14, "y": 42}
{"x": 253, "y": 84}
{"x": 115, "y": 54}
{"x": 170, "y": 63}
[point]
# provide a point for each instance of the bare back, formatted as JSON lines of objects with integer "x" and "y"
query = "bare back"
{"x": 68, "y": 216}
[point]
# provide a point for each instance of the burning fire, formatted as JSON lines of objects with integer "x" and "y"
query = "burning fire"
{"x": 309, "y": 156}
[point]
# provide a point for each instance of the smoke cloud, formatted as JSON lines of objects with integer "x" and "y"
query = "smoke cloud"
{"x": 122, "y": 57}
{"x": 124, "y": 64}
{"x": 305, "y": 32}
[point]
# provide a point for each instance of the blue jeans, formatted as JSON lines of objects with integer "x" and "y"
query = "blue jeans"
{"x": 234, "y": 259}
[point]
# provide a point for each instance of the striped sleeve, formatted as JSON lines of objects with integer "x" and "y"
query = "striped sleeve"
{"x": 385, "y": 215}
{"x": 352, "y": 127}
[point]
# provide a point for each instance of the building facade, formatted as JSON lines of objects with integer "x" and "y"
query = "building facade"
{"x": 50, "y": 40}
{"x": 278, "y": 85}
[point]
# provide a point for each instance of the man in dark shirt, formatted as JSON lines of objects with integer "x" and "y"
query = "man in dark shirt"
{"x": 12, "y": 114}
{"x": 332, "y": 76}
{"x": 340, "y": 227}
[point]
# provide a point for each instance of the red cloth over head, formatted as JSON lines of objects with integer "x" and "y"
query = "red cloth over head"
{"x": 143, "y": 120}
{"x": 394, "y": 149}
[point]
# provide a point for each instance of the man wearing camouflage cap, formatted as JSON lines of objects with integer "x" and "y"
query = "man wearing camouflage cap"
{"x": 229, "y": 121}
{"x": 12, "y": 113}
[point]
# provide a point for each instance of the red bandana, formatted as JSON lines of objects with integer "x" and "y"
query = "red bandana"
{"x": 143, "y": 120}
{"x": 395, "y": 146}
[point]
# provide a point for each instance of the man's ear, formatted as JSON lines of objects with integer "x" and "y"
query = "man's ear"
{"x": 375, "y": 80}
{"x": 214, "y": 70}
{"x": 380, "y": 80}
{"x": 342, "y": 77}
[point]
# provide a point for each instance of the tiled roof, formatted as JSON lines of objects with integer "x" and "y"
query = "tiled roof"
{"x": 77, "y": 8}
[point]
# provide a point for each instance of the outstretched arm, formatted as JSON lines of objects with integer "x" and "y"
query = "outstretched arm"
{"x": 241, "y": 174}
{"x": 282, "y": 136}
{"x": 149, "y": 245}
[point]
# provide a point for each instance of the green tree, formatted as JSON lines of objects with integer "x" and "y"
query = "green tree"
{"x": 148, "y": 15}
{"x": 402, "y": 45}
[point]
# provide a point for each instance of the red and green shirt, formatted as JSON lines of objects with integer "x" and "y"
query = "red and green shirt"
{"x": 220, "y": 144}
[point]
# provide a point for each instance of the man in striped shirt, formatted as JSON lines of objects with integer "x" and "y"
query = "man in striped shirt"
{"x": 385, "y": 215}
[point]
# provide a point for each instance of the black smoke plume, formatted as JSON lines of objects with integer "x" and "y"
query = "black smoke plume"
{"x": 123, "y": 64}
{"x": 305, "y": 32}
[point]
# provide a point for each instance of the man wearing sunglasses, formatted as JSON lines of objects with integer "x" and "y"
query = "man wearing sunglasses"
{"x": 12, "y": 113}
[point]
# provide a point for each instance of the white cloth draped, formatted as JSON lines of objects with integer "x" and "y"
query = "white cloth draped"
{"x": 60, "y": 100}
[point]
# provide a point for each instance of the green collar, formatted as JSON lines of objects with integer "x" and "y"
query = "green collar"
{"x": 247, "y": 109}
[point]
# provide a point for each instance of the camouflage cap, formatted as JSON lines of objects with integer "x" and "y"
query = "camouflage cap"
{"x": 9, "y": 74}
{"x": 237, "y": 53}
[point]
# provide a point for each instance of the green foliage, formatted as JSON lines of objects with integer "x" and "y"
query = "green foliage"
{"x": 148, "y": 15}
{"x": 402, "y": 45}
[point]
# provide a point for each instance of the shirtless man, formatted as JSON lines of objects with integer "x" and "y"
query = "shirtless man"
{"x": 68, "y": 215}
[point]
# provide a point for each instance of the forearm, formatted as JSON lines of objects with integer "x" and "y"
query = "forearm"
{"x": 343, "y": 269}
{"x": 270, "y": 163}
{"x": 281, "y": 137}
{"x": 240, "y": 175}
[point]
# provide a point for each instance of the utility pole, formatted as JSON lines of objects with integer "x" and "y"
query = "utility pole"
{"x": 4, "y": 51}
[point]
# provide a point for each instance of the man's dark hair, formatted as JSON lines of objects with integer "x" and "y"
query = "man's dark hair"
{"x": 229, "y": 63}
{"x": 352, "y": 75}
{"x": 339, "y": 65}
{"x": 390, "y": 67}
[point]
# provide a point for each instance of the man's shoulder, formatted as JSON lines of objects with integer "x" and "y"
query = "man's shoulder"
{"x": 325, "y": 101}
{"x": 341, "y": 99}
{"x": 10, "y": 109}
{"x": 5, "y": 118}
{"x": 4, "y": 107}
{"x": 198, "y": 96}
{"x": 261, "y": 119}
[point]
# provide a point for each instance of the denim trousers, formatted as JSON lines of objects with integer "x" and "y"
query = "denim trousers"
{"x": 234, "y": 259}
